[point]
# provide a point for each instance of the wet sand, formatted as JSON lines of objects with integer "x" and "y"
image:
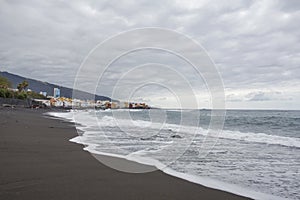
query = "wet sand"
{"x": 39, "y": 162}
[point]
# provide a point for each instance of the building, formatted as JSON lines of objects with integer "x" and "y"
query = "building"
{"x": 114, "y": 105}
{"x": 43, "y": 93}
{"x": 56, "y": 92}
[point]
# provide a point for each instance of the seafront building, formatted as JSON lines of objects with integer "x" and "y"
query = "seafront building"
{"x": 56, "y": 92}
{"x": 63, "y": 102}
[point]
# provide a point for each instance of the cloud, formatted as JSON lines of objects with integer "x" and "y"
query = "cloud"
{"x": 258, "y": 96}
{"x": 255, "y": 44}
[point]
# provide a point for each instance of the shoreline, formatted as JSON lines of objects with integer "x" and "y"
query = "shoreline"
{"x": 158, "y": 166}
{"x": 39, "y": 161}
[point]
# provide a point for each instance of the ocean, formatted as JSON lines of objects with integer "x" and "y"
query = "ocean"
{"x": 257, "y": 154}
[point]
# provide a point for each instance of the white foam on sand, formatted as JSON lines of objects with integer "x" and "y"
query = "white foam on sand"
{"x": 212, "y": 183}
{"x": 205, "y": 181}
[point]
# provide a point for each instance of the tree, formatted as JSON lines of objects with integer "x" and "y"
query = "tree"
{"x": 35, "y": 95}
{"x": 22, "y": 95}
{"x": 25, "y": 84}
{"x": 4, "y": 82}
{"x": 22, "y": 86}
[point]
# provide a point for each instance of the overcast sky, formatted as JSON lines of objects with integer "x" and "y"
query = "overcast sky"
{"x": 254, "y": 44}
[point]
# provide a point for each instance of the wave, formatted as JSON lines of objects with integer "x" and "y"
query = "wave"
{"x": 119, "y": 110}
{"x": 225, "y": 134}
{"x": 87, "y": 122}
{"x": 205, "y": 181}
{"x": 261, "y": 138}
{"x": 86, "y": 119}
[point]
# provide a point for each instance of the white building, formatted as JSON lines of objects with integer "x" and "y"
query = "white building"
{"x": 56, "y": 92}
{"x": 43, "y": 93}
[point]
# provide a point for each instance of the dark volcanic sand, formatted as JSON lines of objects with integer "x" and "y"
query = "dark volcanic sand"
{"x": 38, "y": 162}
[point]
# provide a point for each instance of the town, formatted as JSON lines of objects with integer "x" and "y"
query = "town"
{"x": 23, "y": 95}
{"x": 62, "y": 102}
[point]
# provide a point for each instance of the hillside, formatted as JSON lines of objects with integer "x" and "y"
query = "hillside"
{"x": 38, "y": 86}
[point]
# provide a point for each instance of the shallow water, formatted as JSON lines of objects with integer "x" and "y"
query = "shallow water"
{"x": 258, "y": 151}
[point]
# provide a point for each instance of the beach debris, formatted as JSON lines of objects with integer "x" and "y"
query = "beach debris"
{"x": 176, "y": 136}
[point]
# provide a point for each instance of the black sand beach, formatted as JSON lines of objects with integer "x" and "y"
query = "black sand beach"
{"x": 39, "y": 162}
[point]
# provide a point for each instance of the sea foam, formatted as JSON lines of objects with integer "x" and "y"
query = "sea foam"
{"x": 90, "y": 124}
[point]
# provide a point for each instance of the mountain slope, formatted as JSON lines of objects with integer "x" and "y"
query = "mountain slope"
{"x": 39, "y": 86}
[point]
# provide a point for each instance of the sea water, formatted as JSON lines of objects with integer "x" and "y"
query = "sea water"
{"x": 257, "y": 154}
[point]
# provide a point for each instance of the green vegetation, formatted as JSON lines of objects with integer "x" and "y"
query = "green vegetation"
{"x": 22, "y": 86}
{"x": 6, "y": 92}
{"x": 4, "y": 83}
{"x": 34, "y": 95}
{"x": 22, "y": 95}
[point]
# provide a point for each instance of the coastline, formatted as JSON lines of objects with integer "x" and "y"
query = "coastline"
{"x": 39, "y": 162}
